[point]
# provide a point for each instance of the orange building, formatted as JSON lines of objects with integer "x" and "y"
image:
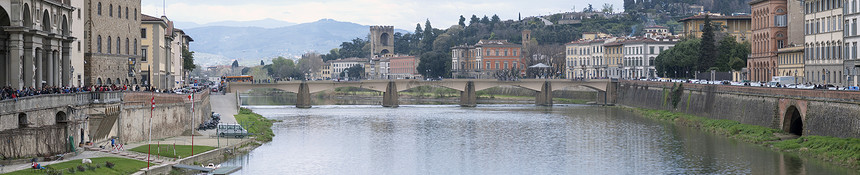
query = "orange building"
{"x": 486, "y": 57}
{"x": 403, "y": 67}
{"x": 770, "y": 32}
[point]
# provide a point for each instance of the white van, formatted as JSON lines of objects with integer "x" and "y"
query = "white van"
{"x": 235, "y": 130}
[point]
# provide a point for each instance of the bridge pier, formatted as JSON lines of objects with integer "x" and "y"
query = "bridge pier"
{"x": 468, "y": 97}
{"x": 390, "y": 98}
{"x": 610, "y": 95}
{"x": 303, "y": 98}
{"x": 544, "y": 96}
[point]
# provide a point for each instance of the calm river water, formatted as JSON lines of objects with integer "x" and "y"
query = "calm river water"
{"x": 501, "y": 139}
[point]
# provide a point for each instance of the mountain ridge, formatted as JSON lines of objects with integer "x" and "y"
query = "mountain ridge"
{"x": 220, "y": 45}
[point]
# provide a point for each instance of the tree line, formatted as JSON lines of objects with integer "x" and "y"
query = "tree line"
{"x": 693, "y": 55}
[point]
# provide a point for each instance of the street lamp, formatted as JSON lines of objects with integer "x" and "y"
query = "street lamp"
{"x": 346, "y": 72}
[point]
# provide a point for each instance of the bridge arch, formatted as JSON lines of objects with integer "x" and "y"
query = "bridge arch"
{"x": 792, "y": 122}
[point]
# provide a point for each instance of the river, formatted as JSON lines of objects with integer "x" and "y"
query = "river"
{"x": 501, "y": 139}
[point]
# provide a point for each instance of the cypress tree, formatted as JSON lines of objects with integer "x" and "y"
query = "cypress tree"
{"x": 707, "y": 47}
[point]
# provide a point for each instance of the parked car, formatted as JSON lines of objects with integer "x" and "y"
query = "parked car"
{"x": 235, "y": 130}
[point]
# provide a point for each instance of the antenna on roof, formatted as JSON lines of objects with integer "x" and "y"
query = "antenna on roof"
{"x": 164, "y": 6}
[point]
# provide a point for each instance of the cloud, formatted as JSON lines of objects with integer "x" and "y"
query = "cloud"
{"x": 400, "y": 13}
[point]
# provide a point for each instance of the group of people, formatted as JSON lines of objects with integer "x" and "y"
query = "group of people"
{"x": 7, "y": 93}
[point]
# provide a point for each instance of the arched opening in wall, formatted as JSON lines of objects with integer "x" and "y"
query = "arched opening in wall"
{"x": 384, "y": 39}
{"x": 22, "y": 120}
{"x": 99, "y": 82}
{"x": 135, "y": 81}
{"x": 28, "y": 19}
{"x": 61, "y": 117}
{"x": 792, "y": 122}
{"x": 269, "y": 96}
{"x": 126, "y": 82}
{"x": 65, "y": 26}
{"x": 46, "y": 22}
{"x": 384, "y": 51}
{"x": 109, "y": 82}
{"x": 5, "y": 20}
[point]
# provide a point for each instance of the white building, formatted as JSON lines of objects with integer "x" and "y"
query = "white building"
{"x": 852, "y": 38}
{"x": 823, "y": 47}
{"x": 338, "y": 66}
{"x": 639, "y": 56}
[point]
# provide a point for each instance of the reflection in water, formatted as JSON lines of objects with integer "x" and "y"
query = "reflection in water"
{"x": 501, "y": 139}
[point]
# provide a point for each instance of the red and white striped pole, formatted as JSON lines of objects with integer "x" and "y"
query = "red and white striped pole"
{"x": 191, "y": 98}
{"x": 151, "y": 109}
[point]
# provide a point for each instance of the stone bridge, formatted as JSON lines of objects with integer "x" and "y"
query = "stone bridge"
{"x": 467, "y": 88}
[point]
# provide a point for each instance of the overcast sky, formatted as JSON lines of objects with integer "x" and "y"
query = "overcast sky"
{"x": 403, "y": 14}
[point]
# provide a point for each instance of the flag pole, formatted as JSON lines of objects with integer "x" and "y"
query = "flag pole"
{"x": 151, "y": 109}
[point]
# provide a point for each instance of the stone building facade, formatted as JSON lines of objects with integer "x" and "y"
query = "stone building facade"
{"x": 770, "y": 33}
{"x": 851, "y": 64}
{"x": 35, "y": 43}
{"x": 180, "y": 41}
{"x": 112, "y": 36}
{"x": 382, "y": 40}
{"x": 823, "y": 42}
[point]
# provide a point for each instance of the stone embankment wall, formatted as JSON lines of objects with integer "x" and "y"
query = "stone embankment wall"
{"x": 826, "y": 113}
{"x": 171, "y": 117}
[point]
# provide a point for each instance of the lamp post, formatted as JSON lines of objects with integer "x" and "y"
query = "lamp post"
{"x": 346, "y": 72}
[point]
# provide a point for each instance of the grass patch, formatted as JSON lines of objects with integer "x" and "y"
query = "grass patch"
{"x": 256, "y": 124}
{"x": 166, "y": 150}
{"x": 845, "y": 152}
{"x": 121, "y": 166}
{"x": 730, "y": 128}
{"x": 841, "y": 151}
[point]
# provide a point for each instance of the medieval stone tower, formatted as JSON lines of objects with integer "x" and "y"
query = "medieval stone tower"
{"x": 382, "y": 40}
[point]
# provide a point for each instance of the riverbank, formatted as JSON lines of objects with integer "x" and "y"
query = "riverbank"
{"x": 839, "y": 151}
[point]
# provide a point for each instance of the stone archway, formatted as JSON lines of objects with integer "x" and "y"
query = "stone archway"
{"x": 792, "y": 121}
{"x": 384, "y": 39}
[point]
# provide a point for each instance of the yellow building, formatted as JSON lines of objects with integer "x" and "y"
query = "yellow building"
{"x": 613, "y": 55}
{"x": 738, "y": 25}
{"x": 325, "y": 72}
{"x": 791, "y": 62}
{"x": 155, "y": 65}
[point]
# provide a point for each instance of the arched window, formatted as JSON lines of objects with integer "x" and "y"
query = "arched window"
{"x": 126, "y": 12}
{"x": 99, "y": 44}
{"x": 119, "y": 45}
{"x": 119, "y": 11}
{"x": 126, "y": 46}
{"x": 100, "y": 9}
{"x": 135, "y": 14}
{"x": 135, "y": 47}
{"x": 110, "y": 10}
{"x": 109, "y": 45}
